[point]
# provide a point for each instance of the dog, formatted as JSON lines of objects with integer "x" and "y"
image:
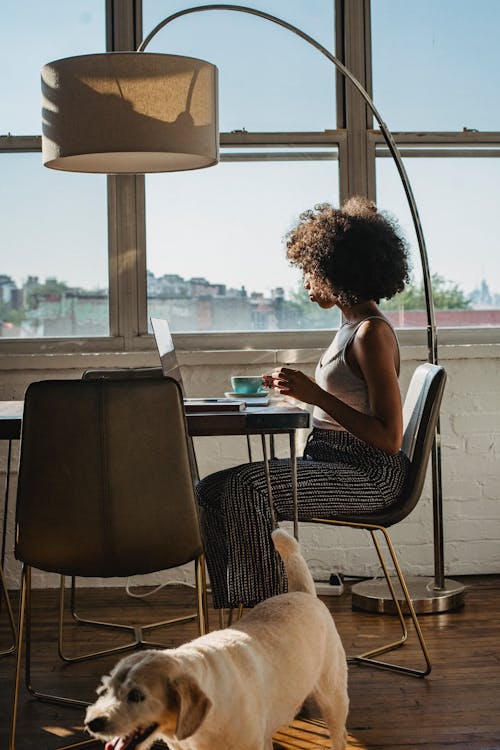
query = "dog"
{"x": 232, "y": 689}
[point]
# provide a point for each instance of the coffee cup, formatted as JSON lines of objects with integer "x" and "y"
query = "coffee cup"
{"x": 246, "y": 383}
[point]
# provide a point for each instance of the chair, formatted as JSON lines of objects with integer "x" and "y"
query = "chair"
{"x": 420, "y": 416}
{"x": 104, "y": 489}
{"x": 139, "y": 373}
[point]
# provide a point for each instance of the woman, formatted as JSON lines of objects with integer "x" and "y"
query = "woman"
{"x": 351, "y": 258}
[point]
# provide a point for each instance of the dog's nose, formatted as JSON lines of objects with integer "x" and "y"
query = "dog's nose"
{"x": 96, "y": 725}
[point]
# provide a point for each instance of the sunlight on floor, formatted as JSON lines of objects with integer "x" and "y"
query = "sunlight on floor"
{"x": 62, "y": 732}
{"x": 308, "y": 735}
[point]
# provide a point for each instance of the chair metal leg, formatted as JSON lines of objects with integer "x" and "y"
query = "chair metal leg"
{"x": 24, "y": 623}
{"x": 230, "y": 616}
{"x": 367, "y": 657}
{"x": 17, "y": 676}
{"x": 10, "y": 616}
{"x": 221, "y": 619}
{"x": 138, "y": 633}
{"x": 201, "y": 594}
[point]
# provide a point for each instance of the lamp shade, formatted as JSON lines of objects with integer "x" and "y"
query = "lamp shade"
{"x": 129, "y": 113}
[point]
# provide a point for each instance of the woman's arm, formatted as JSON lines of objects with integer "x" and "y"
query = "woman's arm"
{"x": 374, "y": 352}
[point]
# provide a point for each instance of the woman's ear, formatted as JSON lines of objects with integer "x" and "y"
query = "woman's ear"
{"x": 193, "y": 706}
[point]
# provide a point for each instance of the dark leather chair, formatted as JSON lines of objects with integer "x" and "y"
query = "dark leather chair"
{"x": 114, "y": 373}
{"x": 420, "y": 416}
{"x": 105, "y": 489}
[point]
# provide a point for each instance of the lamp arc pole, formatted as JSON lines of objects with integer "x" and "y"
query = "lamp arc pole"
{"x": 441, "y": 594}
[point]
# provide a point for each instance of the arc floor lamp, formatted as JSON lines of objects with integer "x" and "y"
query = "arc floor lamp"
{"x": 138, "y": 112}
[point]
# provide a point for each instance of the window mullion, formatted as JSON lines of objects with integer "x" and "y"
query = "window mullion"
{"x": 354, "y": 40}
{"x": 126, "y": 204}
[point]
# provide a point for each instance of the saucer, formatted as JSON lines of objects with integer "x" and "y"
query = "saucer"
{"x": 244, "y": 396}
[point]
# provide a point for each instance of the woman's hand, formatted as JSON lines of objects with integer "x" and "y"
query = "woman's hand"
{"x": 293, "y": 383}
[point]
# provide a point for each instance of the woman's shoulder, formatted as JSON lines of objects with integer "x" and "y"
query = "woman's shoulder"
{"x": 375, "y": 327}
{"x": 376, "y": 341}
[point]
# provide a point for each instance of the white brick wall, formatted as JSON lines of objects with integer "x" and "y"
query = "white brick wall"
{"x": 470, "y": 429}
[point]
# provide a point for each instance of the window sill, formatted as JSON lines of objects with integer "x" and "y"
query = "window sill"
{"x": 259, "y": 349}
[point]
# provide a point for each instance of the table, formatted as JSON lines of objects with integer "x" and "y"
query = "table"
{"x": 279, "y": 418}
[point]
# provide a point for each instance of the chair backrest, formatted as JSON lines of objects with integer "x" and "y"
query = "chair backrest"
{"x": 126, "y": 373}
{"x": 105, "y": 486}
{"x": 420, "y": 417}
{"x": 122, "y": 373}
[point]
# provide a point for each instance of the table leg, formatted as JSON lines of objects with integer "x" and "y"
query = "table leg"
{"x": 268, "y": 481}
{"x": 6, "y": 503}
{"x": 293, "y": 460}
{"x": 249, "y": 447}
{"x": 272, "y": 446}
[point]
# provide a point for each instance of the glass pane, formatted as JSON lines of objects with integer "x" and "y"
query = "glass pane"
{"x": 436, "y": 64}
{"x": 216, "y": 258}
{"x": 53, "y": 250}
{"x": 461, "y": 234}
{"x": 35, "y": 33}
{"x": 269, "y": 79}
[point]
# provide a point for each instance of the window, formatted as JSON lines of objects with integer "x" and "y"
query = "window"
{"x": 215, "y": 252}
{"x": 216, "y": 256}
{"x": 205, "y": 248}
{"x": 460, "y": 233}
{"x": 435, "y": 66}
{"x": 53, "y": 274}
{"x": 53, "y": 237}
{"x": 269, "y": 80}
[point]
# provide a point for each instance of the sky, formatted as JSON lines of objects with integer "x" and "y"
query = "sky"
{"x": 435, "y": 68}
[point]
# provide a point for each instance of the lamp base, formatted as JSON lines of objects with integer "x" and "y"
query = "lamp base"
{"x": 374, "y": 596}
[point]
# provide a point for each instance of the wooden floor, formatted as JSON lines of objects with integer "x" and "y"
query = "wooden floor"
{"x": 457, "y": 706}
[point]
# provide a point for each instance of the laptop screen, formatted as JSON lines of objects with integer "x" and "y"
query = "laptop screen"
{"x": 166, "y": 349}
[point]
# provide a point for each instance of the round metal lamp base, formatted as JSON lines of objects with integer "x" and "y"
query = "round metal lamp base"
{"x": 374, "y": 596}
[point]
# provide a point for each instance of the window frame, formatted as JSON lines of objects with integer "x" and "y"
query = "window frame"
{"x": 358, "y": 144}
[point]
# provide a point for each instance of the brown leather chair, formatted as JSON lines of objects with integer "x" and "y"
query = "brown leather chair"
{"x": 420, "y": 416}
{"x": 105, "y": 489}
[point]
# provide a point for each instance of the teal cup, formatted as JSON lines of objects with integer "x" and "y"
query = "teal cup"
{"x": 246, "y": 383}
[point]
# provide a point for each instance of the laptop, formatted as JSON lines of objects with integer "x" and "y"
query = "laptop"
{"x": 170, "y": 368}
{"x": 166, "y": 350}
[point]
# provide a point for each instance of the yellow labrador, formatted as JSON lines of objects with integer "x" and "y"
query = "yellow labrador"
{"x": 232, "y": 689}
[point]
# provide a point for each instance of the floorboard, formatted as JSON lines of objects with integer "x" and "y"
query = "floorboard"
{"x": 457, "y": 707}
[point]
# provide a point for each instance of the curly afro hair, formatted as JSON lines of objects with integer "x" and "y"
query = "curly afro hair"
{"x": 354, "y": 252}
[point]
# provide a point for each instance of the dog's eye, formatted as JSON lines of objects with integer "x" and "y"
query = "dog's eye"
{"x": 135, "y": 696}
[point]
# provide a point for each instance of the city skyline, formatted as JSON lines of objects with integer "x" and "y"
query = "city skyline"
{"x": 165, "y": 284}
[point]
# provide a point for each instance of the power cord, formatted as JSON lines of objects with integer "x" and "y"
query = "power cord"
{"x": 156, "y": 589}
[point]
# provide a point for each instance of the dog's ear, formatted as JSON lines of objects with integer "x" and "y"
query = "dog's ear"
{"x": 192, "y": 705}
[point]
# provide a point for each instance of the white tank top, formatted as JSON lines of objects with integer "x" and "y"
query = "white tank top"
{"x": 334, "y": 375}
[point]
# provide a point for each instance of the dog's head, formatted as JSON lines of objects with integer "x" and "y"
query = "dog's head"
{"x": 146, "y": 695}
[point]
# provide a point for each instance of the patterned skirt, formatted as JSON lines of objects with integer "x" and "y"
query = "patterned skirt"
{"x": 338, "y": 474}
